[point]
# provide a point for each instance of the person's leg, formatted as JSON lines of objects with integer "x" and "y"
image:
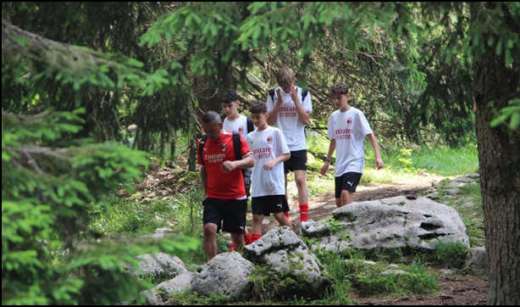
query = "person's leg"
{"x": 303, "y": 194}
{"x": 346, "y": 198}
{"x": 238, "y": 239}
{"x": 349, "y": 182}
{"x": 210, "y": 240}
{"x": 257, "y": 226}
{"x": 234, "y": 221}
{"x": 211, "y": 219}
{"x": 281, "y": 219}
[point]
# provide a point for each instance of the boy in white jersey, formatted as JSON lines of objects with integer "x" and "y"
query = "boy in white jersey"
{"x": 347, "y": 129}
{"x": 268, "y": 183}
{"x": 289, "y": 107}
{"x": 238, "y": 123}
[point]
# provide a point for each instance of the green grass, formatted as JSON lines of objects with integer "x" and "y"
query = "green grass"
{"x": 402, "y": 162}
{"x": 439, "y": 160}
{"x": 468, "y": 204}
{"x": 450, "y": 254}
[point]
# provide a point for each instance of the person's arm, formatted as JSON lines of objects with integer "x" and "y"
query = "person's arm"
{"x": 272, "y": 116}
{"x": 375, "y": 145}
{"x": 271, "y": 163}
{"x": 203, "y": 178}
{"x": 246, "y": 162}
{"x": 303, "y": 116}
{"x": 326, "y": 164}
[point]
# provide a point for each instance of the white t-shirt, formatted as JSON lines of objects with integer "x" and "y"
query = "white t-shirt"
{"x": 267, "y": 145}
{"x": 293, "y": 129}
{"x": 238, "y": 125}
{"x": 349, "y": 129}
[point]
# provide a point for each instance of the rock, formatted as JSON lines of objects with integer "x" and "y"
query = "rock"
{"x": 160, "y": 266}
{"x": 358, "y": 261}
{"x": 395, "y": 222}
{"x": 474, "y": 176}
{"x": 393, "y": 266}
{"x": 394, "y": 272}
{"x": 446, "y": 272}
{"x": 275, "y": 239}
{"x": 226, "y": 274}
{"x": 434, "y": 196}
{"x": 314, "y": 229}
{"x": 287, "y": 256}
{"x": 452, "y": 191}
{"x": 477, "y": 261}
{"x": 160, "y": 294}
{"x": 161, "y": 233}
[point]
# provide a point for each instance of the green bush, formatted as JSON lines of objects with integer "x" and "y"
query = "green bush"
{"x": 49, "y": 193}
{"x": 450, "y": 254}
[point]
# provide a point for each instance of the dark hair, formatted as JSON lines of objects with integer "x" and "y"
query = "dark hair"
{"x": 230, "y": 96}
{"x": 339, "y": 89}
{"x": 258, "y": 107}
{"x": 211, "y": 117}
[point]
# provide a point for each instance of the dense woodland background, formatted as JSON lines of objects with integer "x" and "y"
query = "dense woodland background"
{"x": 76, "y": 75}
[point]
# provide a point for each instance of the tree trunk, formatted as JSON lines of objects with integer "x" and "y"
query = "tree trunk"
{"x": 499, "y": 157}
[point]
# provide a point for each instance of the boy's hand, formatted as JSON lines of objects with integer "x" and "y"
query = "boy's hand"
{"x": 269, "y": 165}
{"x": 279, "y": 99}
{"x": 379, "y": 163}
{"x": 294, "y": 93}
{"x": 324, "y": 168}
{"x": 228, "y": 166}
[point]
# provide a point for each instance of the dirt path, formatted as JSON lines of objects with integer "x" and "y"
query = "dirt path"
{"x": 454, "y": 290}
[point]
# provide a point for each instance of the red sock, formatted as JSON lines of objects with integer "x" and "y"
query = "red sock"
{"x": 248, "y": 238}
{"x": 255, "y": 236}
{"x": 304, "y": 212}
{"x": 231, "y": 246}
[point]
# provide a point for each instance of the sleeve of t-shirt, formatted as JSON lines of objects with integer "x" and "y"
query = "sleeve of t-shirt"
{"x": 282, "y": 144}
{"x": 365, "y": 126}
{"x": 244, "y": 148}
{"x": 269, "y": 103}
{"x": 307, "y": 104}
{"x": 330, "y": 128}
{"x": 249, "y": 139}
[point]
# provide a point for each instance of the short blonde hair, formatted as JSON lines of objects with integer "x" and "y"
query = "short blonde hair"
{"x": 285, "y": 76}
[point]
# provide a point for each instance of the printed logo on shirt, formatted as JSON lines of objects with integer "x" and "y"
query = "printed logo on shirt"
{"x": 241, "y": 130}
{"x": 223, "y": 147}
{"x": 262, "y": 153}
{"x": 349, "y": 183}
{"x": 342, "y": 133}
{"x": 269, "y": 139}
{"x": 349, "y": 121}
{"x": 288, "y": 112}
{"x": 215, "y": 158}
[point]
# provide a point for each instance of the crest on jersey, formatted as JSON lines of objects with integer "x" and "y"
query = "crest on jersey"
{"x": 269, "y": 139}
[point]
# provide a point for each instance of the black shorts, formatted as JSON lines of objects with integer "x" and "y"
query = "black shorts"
{"x": 297, "y": 161}
{"x": 347, "y": 181}
{"x": 265, "y": 205}
{"x": 228, "y": 215}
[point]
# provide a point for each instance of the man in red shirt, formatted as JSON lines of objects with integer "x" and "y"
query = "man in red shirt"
{"x": 225, "y": 205}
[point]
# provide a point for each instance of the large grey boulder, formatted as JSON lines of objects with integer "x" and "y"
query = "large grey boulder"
{"x": 161, "y": 294}
{"x": 160, "y": 266}
{"x": 226, "y": 274}
{"x": 394, "y": 222}
{"x": 477, "y": 261}
{"x": 286, "y": 255}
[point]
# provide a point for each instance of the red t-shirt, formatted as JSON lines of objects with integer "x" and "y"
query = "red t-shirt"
{"x": 221, "y": 184}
